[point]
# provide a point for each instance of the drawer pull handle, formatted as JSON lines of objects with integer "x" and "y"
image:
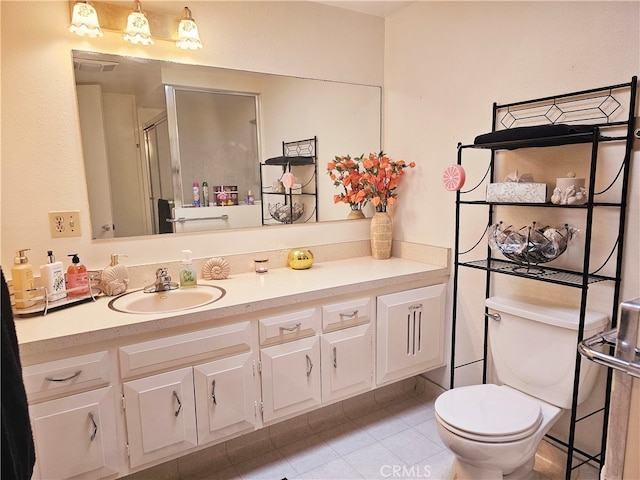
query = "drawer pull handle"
{"x": 290, "y": 329}
{"x": 213, "y": 392}
{"x": 177, "y": 412}
{"x": 310, "y": 364}
{"x": 95, "y": 427}
{"x": 71, "y": 377}
{"x": 349, "y": 315}
{"x": 335, "y": 357}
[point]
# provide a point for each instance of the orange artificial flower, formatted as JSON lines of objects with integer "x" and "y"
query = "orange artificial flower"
{"x": 382, "y": 176}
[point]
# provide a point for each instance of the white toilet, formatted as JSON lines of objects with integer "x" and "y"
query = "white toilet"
{"x": 494, "y": 430}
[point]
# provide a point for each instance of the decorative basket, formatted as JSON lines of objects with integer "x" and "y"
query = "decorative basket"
{"x": 530, "y": 245}
{"x": 286, "y": 213}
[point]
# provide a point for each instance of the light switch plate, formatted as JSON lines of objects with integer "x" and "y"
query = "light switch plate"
{"x": 65, "y": 224}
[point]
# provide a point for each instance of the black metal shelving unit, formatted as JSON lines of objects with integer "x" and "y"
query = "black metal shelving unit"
{"x": 610, "y": 111}
{"x": 299, "y": 158}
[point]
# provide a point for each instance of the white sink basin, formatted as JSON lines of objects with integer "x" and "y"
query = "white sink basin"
{"x": 166, "y": 302}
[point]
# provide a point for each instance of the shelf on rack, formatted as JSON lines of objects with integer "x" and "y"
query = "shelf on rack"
{"x": 551, "y": 205}
{"x": 535, "y": 272}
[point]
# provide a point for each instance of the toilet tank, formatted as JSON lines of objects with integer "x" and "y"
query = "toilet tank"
{"x": 534, "y": 346}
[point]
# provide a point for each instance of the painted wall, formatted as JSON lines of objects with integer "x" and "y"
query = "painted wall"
{"x": 42, "y": 165}
{"x": 445, "y": 65}
{"x": 442, "y": 63}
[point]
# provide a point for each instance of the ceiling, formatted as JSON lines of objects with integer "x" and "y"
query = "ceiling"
{"x": 377, "y": 8}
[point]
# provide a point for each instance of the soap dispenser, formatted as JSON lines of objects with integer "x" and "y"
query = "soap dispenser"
{"x": 188, "y": 274}
{"x": 52, "y": 277}
{"x": 114, "y": 279}
{"x": 77, "y": 278}
{"x": 22, "y": 278}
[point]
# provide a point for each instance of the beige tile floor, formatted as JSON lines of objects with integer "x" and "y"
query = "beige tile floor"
{"x": 387, "y": 434}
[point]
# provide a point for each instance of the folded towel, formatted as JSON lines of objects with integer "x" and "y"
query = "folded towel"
{"x": 297, "y": 160}
{"x": 533, "y": 133}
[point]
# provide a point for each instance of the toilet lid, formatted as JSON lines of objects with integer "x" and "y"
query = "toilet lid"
{"x": 488, "y": 413}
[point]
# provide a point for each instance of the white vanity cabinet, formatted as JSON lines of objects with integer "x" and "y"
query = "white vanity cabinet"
{"x": 199, "y": 403}
{"x": 320, "y": 356}
{"x": 290, "y": 370}
{"x": 143, "y": 394}
{"x": 74, "y": 430}
{"x": 226, "y": 397}
{"x": 410, "y": 338}
{"x": 160, "y": 415}
{"x": 346, "y": 349}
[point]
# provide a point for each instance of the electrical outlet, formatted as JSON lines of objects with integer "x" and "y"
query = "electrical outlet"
{"x": 64, "y": 224}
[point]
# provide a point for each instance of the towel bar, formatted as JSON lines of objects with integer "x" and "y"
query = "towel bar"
{"x": 626, "y": 357}
{"x": 184, "y": 219}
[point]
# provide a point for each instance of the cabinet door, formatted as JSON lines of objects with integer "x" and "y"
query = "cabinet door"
{"x": 75, "y": 436}
{"x": 160, "y": 414}
{"x": 225, "y": 396}
{"x": 410, "y": 333}
{"x": 347, "y": 362}
{"x": 290, "y": 378}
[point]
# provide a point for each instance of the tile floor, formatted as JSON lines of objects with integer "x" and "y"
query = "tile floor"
{"x": 389, "y": 433}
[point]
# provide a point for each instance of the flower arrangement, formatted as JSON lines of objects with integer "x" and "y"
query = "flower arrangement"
{"x": 345, "y": 173}
{"x": 372, "y": 179}
{"x": 381, "y": 177}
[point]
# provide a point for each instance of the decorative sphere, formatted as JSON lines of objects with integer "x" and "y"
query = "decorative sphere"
{"x": 300, "y": 258}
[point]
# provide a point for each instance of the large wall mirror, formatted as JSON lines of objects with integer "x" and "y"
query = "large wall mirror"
{"x": 152, "y": 129}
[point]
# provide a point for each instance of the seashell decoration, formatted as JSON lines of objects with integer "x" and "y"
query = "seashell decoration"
{"x": 114, "y": 280}
{"x": 216, "y": 269}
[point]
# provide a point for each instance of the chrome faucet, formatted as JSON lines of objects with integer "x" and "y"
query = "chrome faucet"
{"x": 163, "y": 282}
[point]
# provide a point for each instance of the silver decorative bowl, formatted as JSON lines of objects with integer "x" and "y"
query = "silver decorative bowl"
{"x": 286, "y": 213}
{"x": 530, "y": 245}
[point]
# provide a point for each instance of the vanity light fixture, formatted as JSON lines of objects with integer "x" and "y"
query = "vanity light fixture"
{"x": 84, "y": 21}
{"x": 183, "y": 31}
{"x": 188, "y": 37}
{"x": 138, "y": 27}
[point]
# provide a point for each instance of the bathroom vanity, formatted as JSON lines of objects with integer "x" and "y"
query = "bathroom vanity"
{"x": 113, "y": 393}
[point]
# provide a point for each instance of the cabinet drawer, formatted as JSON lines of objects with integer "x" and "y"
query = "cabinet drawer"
{"x": 289, "y": 326}
{"x": 69, "y": 375}
{"x": 346, "y": 314}
{"x": 154, "y": 355}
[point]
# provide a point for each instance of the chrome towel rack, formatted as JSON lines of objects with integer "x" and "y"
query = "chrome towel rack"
{"x": 184, "y": 219}
{"x": 626, "y": 357}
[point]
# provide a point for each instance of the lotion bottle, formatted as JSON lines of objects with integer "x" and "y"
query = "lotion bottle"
{"x": 22, "y": 278}
{"x": 52, "y": 277}
{"x": 188, "y": 274}
{"x": 77, "y": 278}
{"x": 250, "y": 199}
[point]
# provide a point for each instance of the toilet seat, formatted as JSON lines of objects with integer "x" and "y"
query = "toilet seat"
{"x": 488, "y": 413}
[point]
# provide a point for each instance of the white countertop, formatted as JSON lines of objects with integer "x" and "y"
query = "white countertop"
{"x": 245, "y": 293}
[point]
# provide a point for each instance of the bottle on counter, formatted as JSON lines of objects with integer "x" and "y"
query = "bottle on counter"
{"x": 52, "y": 277}
{"x": 205, "y": 194}
{"x": 22, "y": 279}
{"x": 196, "y": 194}
{"x": 77, "y": 278}
{"x": 250, "y": 199}
{"x": 188, "y": 273}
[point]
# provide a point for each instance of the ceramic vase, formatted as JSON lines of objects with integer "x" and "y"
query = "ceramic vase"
{"x": 355, "y": 213}
{"x": 381, "y": 235}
